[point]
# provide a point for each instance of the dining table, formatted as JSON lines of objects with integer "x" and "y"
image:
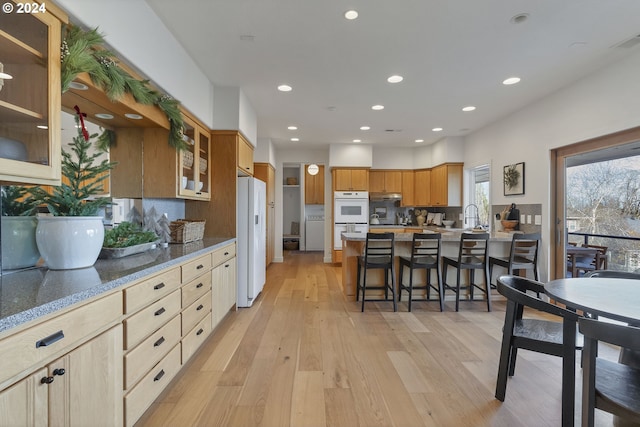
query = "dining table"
{"x": 578, "y": 254}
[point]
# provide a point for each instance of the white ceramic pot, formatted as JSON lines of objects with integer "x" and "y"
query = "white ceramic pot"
{"x": 67, "y": 242}
{"x": 19, "y": 249}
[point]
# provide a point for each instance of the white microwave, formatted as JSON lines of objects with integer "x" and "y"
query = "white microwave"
{"x": 351, "y": 207}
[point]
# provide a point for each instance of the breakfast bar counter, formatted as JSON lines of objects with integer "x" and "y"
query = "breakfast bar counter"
{"x": 353, "y": 246}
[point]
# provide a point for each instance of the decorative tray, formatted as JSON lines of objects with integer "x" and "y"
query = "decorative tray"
{"x": 111, "y": 253}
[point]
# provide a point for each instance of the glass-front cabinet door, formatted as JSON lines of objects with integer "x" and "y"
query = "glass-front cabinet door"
{"x": 29, "y": 96}
{"x": 194, "y": 162}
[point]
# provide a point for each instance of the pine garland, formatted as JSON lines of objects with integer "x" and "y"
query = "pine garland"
{"x": 84, "y": 51}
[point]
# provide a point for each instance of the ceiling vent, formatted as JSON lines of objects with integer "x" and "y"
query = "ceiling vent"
{"x": 628, "y": 44}
{"x": 393, "y": 130}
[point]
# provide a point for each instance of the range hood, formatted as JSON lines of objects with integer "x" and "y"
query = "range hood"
{"x": 383, "y": 197}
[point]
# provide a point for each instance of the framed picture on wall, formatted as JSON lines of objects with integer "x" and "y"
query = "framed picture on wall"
{"x": 513, "y": 177}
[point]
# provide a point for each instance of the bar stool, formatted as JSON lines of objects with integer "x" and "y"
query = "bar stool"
{"x": 425, "y": 254}
{"x": 523, "y": 255}
{"x": 378, "y": 254}
{"x": 472, "y": 255}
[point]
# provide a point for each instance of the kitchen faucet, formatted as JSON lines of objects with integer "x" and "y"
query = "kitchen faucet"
{"x": 475, "y": 218}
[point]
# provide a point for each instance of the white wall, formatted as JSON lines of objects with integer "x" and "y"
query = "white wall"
{"x": 350, "y": 155}
{"x": 233, "y": 111}
{"x": 392, "y": 158}
{"x": 141, "y": 39}
{"x": 265, "y": 152}
{"x": 604, "y": 102}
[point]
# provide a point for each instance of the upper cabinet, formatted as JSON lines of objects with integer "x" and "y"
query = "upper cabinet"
{"x": 314, "y": 186}
{"x": 193, "y": 164}
{"x": 408, "y": 188}
{"x": 446, "y": 185}
{"x": 350, "y": 179}
{"x": 245, "y": 156}
{"x": 385, "y": 181}
{"x": 30, "y": 97}
{"x": 422, "y": 188}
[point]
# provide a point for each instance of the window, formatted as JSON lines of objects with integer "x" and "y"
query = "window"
{"x": 479, "y": 184}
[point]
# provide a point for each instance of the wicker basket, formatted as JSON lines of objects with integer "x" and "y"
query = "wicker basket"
{"x": 187, "y": 159}
{"x": 187, "y": 230}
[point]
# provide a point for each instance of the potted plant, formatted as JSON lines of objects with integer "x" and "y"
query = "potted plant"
{"x": 19, "y": 249}
{"x": 72, "y": 236}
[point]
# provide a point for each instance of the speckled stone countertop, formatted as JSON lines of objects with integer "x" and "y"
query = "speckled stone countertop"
{"x": 29, "y": 294}
{"x": 448, "y": 234}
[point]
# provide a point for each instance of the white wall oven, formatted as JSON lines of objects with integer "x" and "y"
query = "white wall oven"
{"x": 350, "y": 214}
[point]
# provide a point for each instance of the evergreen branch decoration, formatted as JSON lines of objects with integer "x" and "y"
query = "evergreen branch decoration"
{"x": 84, "y": 51}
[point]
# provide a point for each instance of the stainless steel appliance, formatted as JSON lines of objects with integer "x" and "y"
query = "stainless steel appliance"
{"x": 314, "y": 233}
{"x": 350, "y": 214}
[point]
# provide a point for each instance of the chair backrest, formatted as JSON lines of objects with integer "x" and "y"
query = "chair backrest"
{"x": 516, "y": 288}
{"x": 474, "y": 245}
{"x": 425, "y": 245}
{"x": 613, "y": 274}
{"x": 524, "y": 247}
{"x": 600, "y": 261}
{"x": 612, "y": 333}
{"x": 379, "y": 245}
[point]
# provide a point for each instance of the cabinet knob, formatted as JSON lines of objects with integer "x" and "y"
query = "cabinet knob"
{"x": 46, "y": 380}
{"x": 59, "y": 371}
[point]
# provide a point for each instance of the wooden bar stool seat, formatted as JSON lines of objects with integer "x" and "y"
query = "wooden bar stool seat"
{"x": 378, "y": 254}
{"x": 425, "y": 255}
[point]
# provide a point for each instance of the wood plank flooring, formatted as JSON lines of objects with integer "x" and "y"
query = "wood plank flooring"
{"x": 304, "y": 356}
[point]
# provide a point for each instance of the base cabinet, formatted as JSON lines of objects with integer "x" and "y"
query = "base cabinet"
{"x": 223, "y": 290}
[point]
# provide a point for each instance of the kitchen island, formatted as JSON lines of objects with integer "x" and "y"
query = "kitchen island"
{"x": 353, "y": 245}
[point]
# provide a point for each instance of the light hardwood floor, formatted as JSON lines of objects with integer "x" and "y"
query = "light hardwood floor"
{"x": 304, "y": 356}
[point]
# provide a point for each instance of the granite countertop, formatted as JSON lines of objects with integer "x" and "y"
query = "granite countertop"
{"x": 448, "y": 234}
{"x": 29, "y": 294}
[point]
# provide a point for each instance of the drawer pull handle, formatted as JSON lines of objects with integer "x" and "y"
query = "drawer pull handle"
{"x": 159, "y": 342}
{"x": 159, "y": 312}
{"x": 159, "y": 286}
{"x": 199, "y": 285}
{"x": 226, "y": 266}
{"x": 200, "y": 307}
{"x": 46, "y": 380}
{"x": 199, "y": 267}
{"x": 200, "y": 331}
{"x": 50, "y": 339}
{"x": 59, "y": 371}
{"x": 226, "y": 253}
{"x": 160, "y": 375}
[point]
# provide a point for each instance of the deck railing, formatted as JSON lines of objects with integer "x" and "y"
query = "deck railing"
{"x": 623, "y": 252}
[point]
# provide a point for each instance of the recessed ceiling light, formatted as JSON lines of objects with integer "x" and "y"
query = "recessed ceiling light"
{"x": 357, "y": 140}
{"x": 293, "y": 128}
{"x": 78, "y": 86}
{"x": 468, "y": 108}
{"x": 285, "y": 88}
{"x": 395, "y": 79}
{"x": 104, "y": 116}
{"x": 511, "y": 81}
{"x": 436, "y": 129}
{"x": 295, "y": 139}
{"x": 351, "y": 14}
{"x": 377, "y": 107}
{"x": 419, "y": 140}
{"x": 42, "y": 127}
{"x": 133, "y": 116}
{"x": 5, "y": 76}
{"x": 364, "y": 128}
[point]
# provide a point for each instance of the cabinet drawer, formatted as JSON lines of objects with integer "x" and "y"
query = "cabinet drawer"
{"x": 139, "y": 360}
{"x": 223, "y": 254}
{"x": 150, "y": 290}
{"x": 196, "y": 288}
{"x": 195, "y": 268}
{"x": 143, "y": 323}
{"x": 142, "y": 396}
{"x": 36, "y": 345}
{"x": 195, "y": 312}
{"x": 194, "y": 339}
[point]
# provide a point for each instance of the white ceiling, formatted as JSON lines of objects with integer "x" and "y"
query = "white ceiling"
{"x": 452, "y": 53}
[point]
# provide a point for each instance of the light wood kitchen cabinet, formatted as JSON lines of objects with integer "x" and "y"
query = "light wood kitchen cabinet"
{"x": 267, "y": 173}
{"x": 223, "y": 287}
{"x": 408, "y": 188}
{"x": 169, "y": 173}
{"x": 26, "y": 402}
{"x": 446, "y": 185}
{"x": 385, "y": 181}
{"x": 245, "y": 156}
{"x": 30, "y": 102}
{"x": 422, "y": 188}
{"x": 350, "y": 179}
{"x": 314, "y": 186}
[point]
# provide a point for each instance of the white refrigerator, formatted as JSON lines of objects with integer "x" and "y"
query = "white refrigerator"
{"x": 251, "y": 239}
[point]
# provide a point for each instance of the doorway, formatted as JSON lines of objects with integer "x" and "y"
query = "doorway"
{"x": 608, "y": 147}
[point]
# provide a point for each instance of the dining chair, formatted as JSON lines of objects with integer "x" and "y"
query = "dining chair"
{"x": 601, "y": 261}
{"x": 581, "y": 260}
{"x": 607, "y": 385}
{"x": 425, "y": 255}
{"x": 613, "y": 274}
{"x": 472, "y": 255}
{"x": 556, "y": 338}
{"x": 523, "y": 255}
{"x": 378, "y": 254}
